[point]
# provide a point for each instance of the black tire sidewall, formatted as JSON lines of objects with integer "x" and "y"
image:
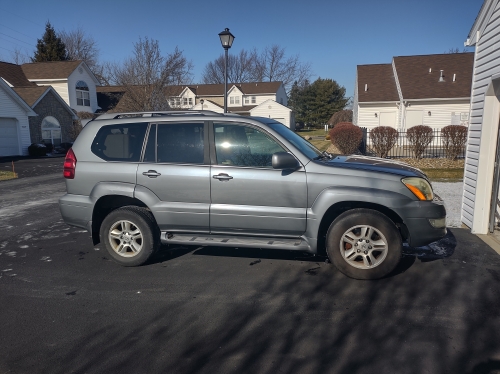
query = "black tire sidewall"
{"x": 140, "y": 218}
{"x": 364, "y": 217}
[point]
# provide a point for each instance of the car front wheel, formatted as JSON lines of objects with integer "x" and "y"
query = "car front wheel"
{"x": 364, "y": 244}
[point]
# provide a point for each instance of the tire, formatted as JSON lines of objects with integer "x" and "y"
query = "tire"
{"x": 364, "y": 244}
{"x": 130, "y": 235}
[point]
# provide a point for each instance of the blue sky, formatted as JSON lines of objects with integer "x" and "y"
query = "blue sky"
{"x": 334, "y": 36}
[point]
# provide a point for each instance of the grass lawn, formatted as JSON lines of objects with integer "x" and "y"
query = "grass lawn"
{"x": 312, "y": 132}
{"x": 322, "y": 145}
{"x": 6, "y": 175}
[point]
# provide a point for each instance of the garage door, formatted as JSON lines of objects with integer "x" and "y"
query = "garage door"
{"x": 9, "y": 144}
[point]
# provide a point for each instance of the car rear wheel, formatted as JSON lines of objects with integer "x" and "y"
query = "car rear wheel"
{"x": 130, "y": 235}
{"x": 364, "y": 244}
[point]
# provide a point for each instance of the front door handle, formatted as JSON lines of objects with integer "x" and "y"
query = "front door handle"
{"x": 151, "y": 174}
{"x": 222, "y": 177}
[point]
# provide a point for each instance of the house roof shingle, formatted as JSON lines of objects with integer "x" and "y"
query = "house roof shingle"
{"x": 31, "y": 94}
{"x": 14, "y": 74}
{"x": 50, "y": 70}
{"x": 417, "y": 83}
{"x": 380, "y": 81}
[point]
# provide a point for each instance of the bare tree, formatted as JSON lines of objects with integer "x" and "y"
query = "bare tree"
{"x": 240, "y": 68}
{"x": 19, "y": 57}
{"x": 81, "y": 46}
{"x": 249, "y": 66}
{"x": 146, "y": 77}
{"x": 273, "y": 65}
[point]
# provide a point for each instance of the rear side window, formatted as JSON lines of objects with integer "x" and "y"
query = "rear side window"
{"x": 120, "y": 142}
{"x": 179, "y": 143}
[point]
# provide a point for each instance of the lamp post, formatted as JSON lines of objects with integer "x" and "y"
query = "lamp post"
{"x": 202, "y": 102}
{"x": 226, "y": 39}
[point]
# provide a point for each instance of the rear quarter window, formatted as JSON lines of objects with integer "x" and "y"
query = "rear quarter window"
{"x": 120, "y": 142}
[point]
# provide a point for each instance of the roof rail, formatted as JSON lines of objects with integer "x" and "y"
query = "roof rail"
{"x": 157, "y": 114}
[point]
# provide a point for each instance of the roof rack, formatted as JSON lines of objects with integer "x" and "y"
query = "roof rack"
{"x": 159, "y": 114}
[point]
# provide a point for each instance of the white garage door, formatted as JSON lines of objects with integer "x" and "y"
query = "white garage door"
{"x": 9, "y": 144}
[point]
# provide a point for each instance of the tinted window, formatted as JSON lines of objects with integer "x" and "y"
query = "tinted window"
{"x": 180, "y": 143}
{"x": 303, "y": 145}
{"x": 244, "y": 146}
{"x": 120, "y": 142}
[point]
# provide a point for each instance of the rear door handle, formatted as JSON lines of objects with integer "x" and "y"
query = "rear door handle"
{"x": 222, "y": 177}
{"x": 151, "y": 174}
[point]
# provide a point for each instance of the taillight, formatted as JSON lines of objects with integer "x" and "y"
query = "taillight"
{"x": 69, "y": 165}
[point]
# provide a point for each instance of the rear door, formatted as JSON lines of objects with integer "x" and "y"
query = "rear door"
{"x": 249, "y": 197}
{"x": 176, "y": 169}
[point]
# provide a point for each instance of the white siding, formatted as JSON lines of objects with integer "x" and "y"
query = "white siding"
{"x": 60, "y": 87}
{"x": 441, "y": 111}
{"x": 366, "y": 114}
{"x": 281, "y": 96}
{"x": 71, "y": 88}
{"x": 486, "y": 65}
{"x": 272, "y": 109}
{"x": 11, "y": 109}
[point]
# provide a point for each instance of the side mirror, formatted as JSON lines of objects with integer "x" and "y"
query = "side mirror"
{"x": 284, "y": 160}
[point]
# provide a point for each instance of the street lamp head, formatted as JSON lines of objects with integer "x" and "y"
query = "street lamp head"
{"x": 226, "y": 39}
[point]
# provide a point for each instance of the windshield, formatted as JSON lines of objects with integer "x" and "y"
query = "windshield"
{"x": 303, "y": 145}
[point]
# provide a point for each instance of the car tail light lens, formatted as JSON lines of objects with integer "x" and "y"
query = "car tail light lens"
{"x": 69, "y": 165}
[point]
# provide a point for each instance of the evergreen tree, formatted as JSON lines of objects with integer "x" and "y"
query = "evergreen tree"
{"x": 315, "y": 103}
{"x": 50, "y": 47}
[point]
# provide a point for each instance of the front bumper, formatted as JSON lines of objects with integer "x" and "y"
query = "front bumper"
{"x": 420, "y": 230}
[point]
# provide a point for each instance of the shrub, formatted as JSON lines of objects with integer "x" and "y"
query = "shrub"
{"x": 339, "y": 117}
{"x": 37, "y": 150}
{"x": 454, "y": 139}
{"x": 419, "y": 137}
{"x": 346, "y": 137}
{"x": 383, "y": 138}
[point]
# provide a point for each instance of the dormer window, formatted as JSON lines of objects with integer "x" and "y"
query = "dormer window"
{"x": 234, "y": 100}
{"x": 82, "y": 94}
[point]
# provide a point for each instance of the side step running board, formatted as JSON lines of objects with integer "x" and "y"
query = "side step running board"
{"x": 297, "y": 244}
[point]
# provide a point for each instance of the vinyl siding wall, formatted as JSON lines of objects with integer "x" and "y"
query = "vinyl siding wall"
{"x": 366, "y": 114}
{"x": 278, "y": 112}
{"x": 11, "y": 109}
{"x": 441, "y": 111}
{"x": 486, "y": 64}
{"x": 71, "y": 87}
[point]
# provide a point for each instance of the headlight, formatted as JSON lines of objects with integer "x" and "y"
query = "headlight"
{"x": 420, "y": 187}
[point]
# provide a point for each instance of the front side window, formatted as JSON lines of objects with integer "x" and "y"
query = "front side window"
{"x": 51, "y": 131}
{"x": 82, "y": 94}
{"x": 247, "y": 100}
{"x": 254, "y": 100}
{"x": 120, "y": 142}
{"x": 239, "y": 145}
{"x": 181, "y": 143}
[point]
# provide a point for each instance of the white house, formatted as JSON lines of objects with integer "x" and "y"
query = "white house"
{"x": 276, "y": 111}
{"x": 72, "y": 80}
{"x": 14, "y": 124}
{"x": 481, "y": 177}
{"x": 432, "y": 90}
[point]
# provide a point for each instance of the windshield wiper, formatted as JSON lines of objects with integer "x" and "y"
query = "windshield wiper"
{"x": 324, "y": 156}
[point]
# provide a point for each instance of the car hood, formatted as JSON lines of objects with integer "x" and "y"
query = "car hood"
{"x": 374, "y": 164}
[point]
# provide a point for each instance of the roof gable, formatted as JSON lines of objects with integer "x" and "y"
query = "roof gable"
{"x": 33, "y": 95}
{"x": 419, "y": 75}
{"x": 53, "y": 70}
{"x": 379, "y": 82}
{"x": 234, "y": 89}
{"x": 14, "y": 75}
{"x": 271, "y": 102}
{"x": 16, "y": 98}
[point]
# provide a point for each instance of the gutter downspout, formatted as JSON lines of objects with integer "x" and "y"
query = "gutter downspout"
{"x": 401, "y": 111}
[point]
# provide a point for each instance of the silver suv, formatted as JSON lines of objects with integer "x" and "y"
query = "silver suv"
{"x": 139, "y": 180}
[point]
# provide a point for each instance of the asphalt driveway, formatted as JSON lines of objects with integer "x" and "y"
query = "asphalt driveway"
{"x": 65, "y": 307}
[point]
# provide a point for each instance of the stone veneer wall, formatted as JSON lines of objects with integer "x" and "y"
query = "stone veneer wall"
{"x": 50, "y": 106}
